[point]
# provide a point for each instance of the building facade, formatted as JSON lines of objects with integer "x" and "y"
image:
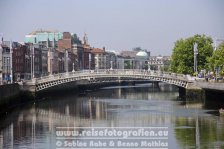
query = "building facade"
{"x": 48, "y": 38}
{"x": 99, "y": 56}
{"x": 21, "y": 62}
{"x": 78, "y": 50}
{"x": 160, "y": 63}
{"x": 1, "y": 62}
{"x": 110, "y": 60}
{"x": 6, "y": 62}
{"x": 88, "y": 56}
{"x": 66, "y": 42}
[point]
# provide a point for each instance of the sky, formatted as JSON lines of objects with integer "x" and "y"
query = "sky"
{"x": 118, "y": 25}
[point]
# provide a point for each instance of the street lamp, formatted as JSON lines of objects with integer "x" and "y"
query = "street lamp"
{"x": 11, "y": 73}
{"x": 33, "y": 63}
{"x": 31, "y": 74}
{"x": 148, "y": 66}
{"x": 97, "y": 62}
{"x": 195, "y": 58}
{"x": 7, "y": 70}
{"x": 89, "y": 61}
{"x": 111, "y": 65}
{"x": 50, "y": 63}
{"x": 73, "y": 67}
{"x": 66, "y": 60}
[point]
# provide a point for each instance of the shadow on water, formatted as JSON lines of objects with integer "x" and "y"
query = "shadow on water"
{"x": 207, "y": 99}
{"x": 214, "y": 99}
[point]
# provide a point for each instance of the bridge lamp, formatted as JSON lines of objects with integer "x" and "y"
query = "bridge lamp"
{"x": 73, "y": 69}
{"x": 66, "y": 60}
{"x": 7, "y": 69}
{"x": 148, "y": 66}
{"x": 33, "y": 62}
{"x": 97, "y": 62}
{"x": 11, "y": 72}
{"x": 195, "y": 58}
{"x": 89, "y": 61}
{"x": 111, "y": 65}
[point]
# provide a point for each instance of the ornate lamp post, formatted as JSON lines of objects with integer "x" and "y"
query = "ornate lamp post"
{"x": 33, "y": 62}
{"x": 66, "y": 61}
{"x": 195, "y": 58}
{"x": 111, "y": 65}
{"x": 148, "y": 66}
{"x": 7, "y": 69}
{"x": 89, "y": 61}
{"x": 11, "y": 72}
{"x": 73, "y": 67}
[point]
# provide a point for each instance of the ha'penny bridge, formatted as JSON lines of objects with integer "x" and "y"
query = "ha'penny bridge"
{"x": 89, "y": 77}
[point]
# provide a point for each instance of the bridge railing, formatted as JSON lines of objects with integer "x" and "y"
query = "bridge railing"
{"x": 122, "y": 72}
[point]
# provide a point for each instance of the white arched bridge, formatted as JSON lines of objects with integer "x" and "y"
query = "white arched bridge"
{"x": 101, "y": 76}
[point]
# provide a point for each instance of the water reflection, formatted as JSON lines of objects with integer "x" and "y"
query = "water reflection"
{"x": 200, "y": 132}
{"x": 190, "y": 124}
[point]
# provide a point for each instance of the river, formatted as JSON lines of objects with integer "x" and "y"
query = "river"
{"x": 190, "y": 124}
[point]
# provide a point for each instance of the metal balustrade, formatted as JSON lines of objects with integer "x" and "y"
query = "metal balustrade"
{"x": 97, "y": 76}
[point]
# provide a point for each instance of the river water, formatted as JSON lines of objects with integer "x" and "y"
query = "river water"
{"x": 190, "y": 124}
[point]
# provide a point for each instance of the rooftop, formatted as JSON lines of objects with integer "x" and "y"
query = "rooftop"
{"x": 43, "y": 31}
{"x": 142, "y": 55}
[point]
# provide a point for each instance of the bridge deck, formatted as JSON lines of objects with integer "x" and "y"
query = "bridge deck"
{"x": 110, "y": 75}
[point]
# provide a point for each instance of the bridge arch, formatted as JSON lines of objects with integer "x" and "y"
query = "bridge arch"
{"x": 100, "y": 76}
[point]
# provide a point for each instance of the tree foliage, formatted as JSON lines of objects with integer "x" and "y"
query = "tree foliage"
{"x": 217, "y": 59}
{"x": 75, "y": 39}
{"x": 182, "y": 59}
{"x": 127, "y": 64}
{"x": 137, "y": 49}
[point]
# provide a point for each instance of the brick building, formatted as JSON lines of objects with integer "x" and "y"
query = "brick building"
{"x": 21, "y": 62}
{"x": 65, "y": 42}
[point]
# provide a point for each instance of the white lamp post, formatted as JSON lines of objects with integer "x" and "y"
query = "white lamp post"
{"x": 148, "y": 66}
{"x": 195, "y": 58}
{"x": 66, "y": 61}
{"x": 11, "y": 73}
{"x": 33, "y": 63}
{"x": 89, "y": 61}
{"x": 111, "y": 65}
{"x": 7, "y": 69}
{"x": 97, "y": 62}
{"x": 73, "y": 67}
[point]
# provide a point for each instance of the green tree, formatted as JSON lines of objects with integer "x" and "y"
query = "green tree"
{"x": 137, "y": 49}
{"x": 127, "y": 64}
{"x": 182, "y": 59}
{"x": 75, "y": 39}
{"x": 217, "y": 59}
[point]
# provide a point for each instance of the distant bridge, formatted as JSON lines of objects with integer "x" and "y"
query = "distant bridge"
{"x": 101, "y": 76}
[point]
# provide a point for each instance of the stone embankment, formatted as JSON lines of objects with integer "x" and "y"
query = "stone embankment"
{"x": 11, "y": 96}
